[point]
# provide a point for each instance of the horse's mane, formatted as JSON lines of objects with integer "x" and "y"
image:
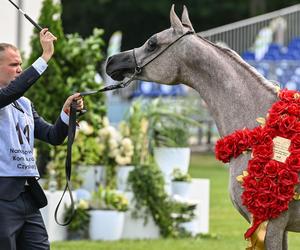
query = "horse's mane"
{"x": 271, "y": 86}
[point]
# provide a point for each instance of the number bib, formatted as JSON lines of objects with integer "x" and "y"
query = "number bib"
{"x": 17, "y": 140}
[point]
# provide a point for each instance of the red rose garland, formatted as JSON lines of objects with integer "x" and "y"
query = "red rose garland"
{"x": 270, "y": 184}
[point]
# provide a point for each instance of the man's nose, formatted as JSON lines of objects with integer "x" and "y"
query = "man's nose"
{"x": 19, "y": 69}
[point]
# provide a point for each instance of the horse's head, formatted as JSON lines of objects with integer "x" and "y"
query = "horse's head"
{"x": 157, "y": 60}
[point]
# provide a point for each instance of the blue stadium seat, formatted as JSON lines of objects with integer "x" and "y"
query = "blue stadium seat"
{"x": 248, "y": 55}
{"x": 152, "y": 89}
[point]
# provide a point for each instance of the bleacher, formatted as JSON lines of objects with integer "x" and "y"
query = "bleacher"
{"x": 279, "y": 63}
{"x": 152, "y": 89}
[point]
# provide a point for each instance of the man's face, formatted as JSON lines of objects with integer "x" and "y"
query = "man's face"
{"x": 10, "y": 66}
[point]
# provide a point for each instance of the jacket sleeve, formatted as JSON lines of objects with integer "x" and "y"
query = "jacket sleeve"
{"x": 44, "y": 131}
{"x": 18, "y": 87}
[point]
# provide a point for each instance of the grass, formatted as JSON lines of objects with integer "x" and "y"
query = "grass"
{"x": 226, "y": 225}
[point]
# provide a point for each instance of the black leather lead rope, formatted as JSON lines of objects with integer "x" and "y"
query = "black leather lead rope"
{"x": 68, "y": 167}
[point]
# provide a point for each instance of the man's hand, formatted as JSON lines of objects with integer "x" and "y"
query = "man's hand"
{"x": 79, "y": 101}
{"x": 46, "y": 40}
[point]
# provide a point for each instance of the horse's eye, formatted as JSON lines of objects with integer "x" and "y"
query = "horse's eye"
{"x": 151, "y": 45}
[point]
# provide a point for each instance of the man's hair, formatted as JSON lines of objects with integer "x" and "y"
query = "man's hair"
{"x": 4, "y": 46}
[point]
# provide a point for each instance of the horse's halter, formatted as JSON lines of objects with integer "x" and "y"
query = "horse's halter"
{"x": 138, "y": 68}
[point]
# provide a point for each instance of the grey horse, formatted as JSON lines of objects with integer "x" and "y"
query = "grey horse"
{"x": 235, "y": 93}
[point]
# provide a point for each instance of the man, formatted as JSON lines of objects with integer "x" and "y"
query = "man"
{"x": 21, "y": 223}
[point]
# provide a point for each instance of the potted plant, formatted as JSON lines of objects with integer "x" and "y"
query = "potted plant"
{"x": 181, "y": 183}
{"x": 107, "y": 214}
{"x": 171, "y": 122}
{"x": 78, "y": 227}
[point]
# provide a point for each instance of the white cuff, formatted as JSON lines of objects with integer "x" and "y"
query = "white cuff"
{"x": 40, "y": 65}
{"x": 64, "y": 117}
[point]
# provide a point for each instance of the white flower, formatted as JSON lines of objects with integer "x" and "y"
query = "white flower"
{"x": 126, "y": 142}
{"x": 121, "y": 160}
{"x": 83, "y": 204}
{"x": 103, "y": 133}
{"x": 113, "y": 153}
{"x": 113, "y": 144}
{"x": 85, "y": 128}
{"x": 112, "y": 132}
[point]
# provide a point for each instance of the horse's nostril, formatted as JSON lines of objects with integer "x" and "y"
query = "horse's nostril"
{"x": 109, "y": 60}
{"x": 109, "y": 65}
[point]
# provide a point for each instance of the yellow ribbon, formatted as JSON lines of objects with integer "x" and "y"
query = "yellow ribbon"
{"x": 257, "y": 240}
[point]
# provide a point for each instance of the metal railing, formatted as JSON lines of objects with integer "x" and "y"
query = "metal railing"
{"x": 241, "y": 35}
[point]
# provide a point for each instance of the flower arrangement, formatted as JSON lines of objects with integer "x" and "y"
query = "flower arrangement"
{"x": 178, "y": 175}
{"x": 108, "y": 199}
{"x": 114, "y": 149}
{"x": 269, "y": 182}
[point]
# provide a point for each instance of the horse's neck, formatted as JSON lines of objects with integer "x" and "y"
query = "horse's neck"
{"x": 235, "y": 94}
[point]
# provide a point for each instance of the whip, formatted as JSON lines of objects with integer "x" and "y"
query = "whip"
{"x": 26, "y": 16}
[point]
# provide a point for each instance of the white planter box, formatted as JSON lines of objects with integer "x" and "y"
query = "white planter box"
{"x": 181, "y": 188}
{"x": 135, "y": 228}
{"x": 200, "y": 189}
{"x": 122, "y": 177}
{"x": 106, "y": 225}
{"x": 170, "y": 158}
{"x": 92, "y": 177}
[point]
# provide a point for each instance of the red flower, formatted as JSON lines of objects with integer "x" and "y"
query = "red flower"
{"x": 295, "y": 142}
{"x": 263, "y": 151}
{"x": 232, "y": 146}
{"x": 249, "y": 183}
{"x": 273, "y": 120}
{"x": 256, "y": 168}
{"x": 241, "y": 139}
{"x": 287, "y": 125}
{"x": 248, "y": 197}
{"x": 267, "y": 184}
{"x": 293, "y": 109}
{"x": 293, "y": 161}
{"x": 280, "y": 206}
{"x": 224, "y": 149}
{"x": 286, "y": 177}
{"x": 288, "y": 95}
{"x": 279, "y": 107}
{"x": 285, "y": 193}
{"x": 261, "y": 135}
{"x": 271, "y": 168}
{"x": 265, "y": 199}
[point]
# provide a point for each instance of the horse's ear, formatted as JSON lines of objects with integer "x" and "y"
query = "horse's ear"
{"x": 175, "y": 21}
{"x": 185, "y": 19}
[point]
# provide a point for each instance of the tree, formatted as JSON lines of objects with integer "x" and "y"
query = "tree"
{"x": 73, "y": 68}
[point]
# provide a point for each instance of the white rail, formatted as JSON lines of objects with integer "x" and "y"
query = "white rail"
{"x": 241, "y": 35}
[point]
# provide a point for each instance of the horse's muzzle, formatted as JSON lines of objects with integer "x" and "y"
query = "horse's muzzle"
{"x": 118, "y": 66}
